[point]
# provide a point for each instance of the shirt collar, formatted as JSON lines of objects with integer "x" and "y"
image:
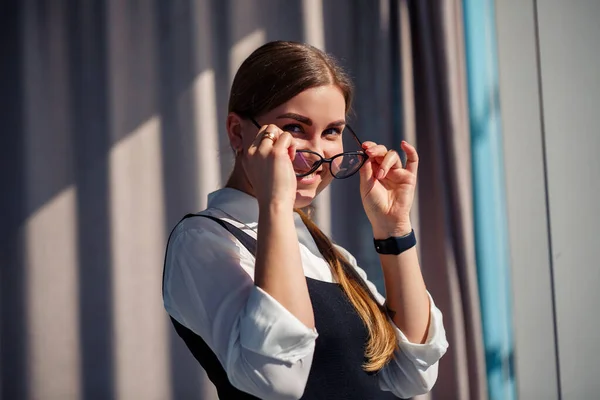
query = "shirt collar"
{"x": 239, "y": 205}
{"x": 244, "y": 208}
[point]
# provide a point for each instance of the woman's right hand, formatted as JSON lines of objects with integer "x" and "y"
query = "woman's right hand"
{"x": 268, "y": 165}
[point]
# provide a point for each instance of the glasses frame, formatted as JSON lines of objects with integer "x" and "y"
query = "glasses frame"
{"x": 322, "y": 159}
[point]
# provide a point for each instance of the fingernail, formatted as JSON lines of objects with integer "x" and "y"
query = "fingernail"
{"x": 380, "y": 174}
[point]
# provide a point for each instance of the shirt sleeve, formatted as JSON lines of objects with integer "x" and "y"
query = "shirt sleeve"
{"x": 265, "y": 350}
{"x": 414, "y": 368}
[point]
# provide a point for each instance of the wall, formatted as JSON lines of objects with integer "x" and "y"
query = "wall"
{"x": 550, "y": 91}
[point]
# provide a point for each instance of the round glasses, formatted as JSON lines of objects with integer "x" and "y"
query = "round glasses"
{"x": 341, "y": 166}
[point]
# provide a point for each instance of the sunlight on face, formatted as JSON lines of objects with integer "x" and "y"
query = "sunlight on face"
{"x": 315, "y": 118}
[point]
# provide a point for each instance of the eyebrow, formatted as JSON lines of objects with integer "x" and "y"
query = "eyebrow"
{"x": 308, "y": 121}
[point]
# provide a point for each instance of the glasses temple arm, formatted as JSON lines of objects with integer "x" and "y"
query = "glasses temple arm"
{"x": 254, "y": 122}
{"x": 355, "y": 135}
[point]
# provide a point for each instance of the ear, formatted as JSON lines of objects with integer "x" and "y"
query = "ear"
{"x": 234, "y": 131}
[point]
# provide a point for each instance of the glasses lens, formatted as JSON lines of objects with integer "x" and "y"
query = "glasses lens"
{"x": 346, "y": 165}
{"x": 342, "y": 166}
{"x": 349, "y": 163}
{"x": 305, "y": 162}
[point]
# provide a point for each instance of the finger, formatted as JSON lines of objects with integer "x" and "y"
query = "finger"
{"x": 390, "y": 160}
{"x": 259, "y": 135}
{"x": 367, "y": 178}
{"x": 266, "y": 139}
{"x": 292, "y": 151}
{"x": 376, "y": 151}
{"x": 283, "y": 142}
{"x": 367, "y": 144}
{"x": 412, "y": 157}
{"x": 256, "y": 141}
{"x": 367, "y": 170}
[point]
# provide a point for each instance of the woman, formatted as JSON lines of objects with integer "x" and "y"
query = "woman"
{"x": 263, "y": 299}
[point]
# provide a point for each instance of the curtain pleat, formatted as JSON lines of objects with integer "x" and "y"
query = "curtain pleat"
{"x": 444, "y": 192}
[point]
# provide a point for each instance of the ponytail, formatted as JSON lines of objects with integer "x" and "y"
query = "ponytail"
{"x": 382, "y": 340}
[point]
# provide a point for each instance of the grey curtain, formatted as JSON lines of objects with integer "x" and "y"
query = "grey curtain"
{"x": 113, "y": 128}
{"x": 445, "y": 208}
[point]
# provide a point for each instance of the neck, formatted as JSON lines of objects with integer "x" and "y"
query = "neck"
{"x": 238, "y": 180}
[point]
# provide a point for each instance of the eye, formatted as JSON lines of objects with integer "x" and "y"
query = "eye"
{"x": 332, "y": 132}
{"x": 293, "y": 128}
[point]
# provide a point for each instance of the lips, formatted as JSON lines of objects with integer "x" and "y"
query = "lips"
{"x": 309, "y": 179}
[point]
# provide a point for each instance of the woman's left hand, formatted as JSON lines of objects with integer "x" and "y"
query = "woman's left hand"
{"x": 387, "y": 189}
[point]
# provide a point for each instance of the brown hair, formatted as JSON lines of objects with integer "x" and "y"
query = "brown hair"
{"x": 273, "y": 74}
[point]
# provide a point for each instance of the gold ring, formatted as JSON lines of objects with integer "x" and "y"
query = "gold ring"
{"x": 268, "y": 135}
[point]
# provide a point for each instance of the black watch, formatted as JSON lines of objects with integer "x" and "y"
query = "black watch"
{"x": 395, "y": 244}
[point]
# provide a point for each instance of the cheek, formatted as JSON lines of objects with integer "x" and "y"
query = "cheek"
{"x": 247, "y": 140}
{"x": 326, "y": 179}
{"x": 331, "y": 149}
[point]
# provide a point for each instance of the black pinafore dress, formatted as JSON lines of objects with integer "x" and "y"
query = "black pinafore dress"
{"x": 336, "y": 371}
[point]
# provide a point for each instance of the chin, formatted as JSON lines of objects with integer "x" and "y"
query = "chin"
{"x": 304, "y": 197}
{"x": 309, "y": 189}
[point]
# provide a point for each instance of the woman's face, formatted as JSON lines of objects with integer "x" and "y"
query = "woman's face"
{"x": 316, "y": 118}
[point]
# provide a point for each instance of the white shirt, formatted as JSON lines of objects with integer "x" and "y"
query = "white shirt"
{"x": 265, "y": 350}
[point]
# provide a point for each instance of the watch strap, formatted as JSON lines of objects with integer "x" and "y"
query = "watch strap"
{"x": 396, "y": 244}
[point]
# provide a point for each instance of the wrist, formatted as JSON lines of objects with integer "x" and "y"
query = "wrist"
{"x": 395, "y": 245}
{"x": 274, "y": 206}
{"x": 399, "y": 230}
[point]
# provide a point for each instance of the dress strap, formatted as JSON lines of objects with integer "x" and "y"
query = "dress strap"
{"x": 197, "y": 346}
{"x": 246, "y": 240}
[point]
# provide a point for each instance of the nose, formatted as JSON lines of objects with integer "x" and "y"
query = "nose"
{"x": 315, "y": 144}
{"x": 312, "y": 144}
